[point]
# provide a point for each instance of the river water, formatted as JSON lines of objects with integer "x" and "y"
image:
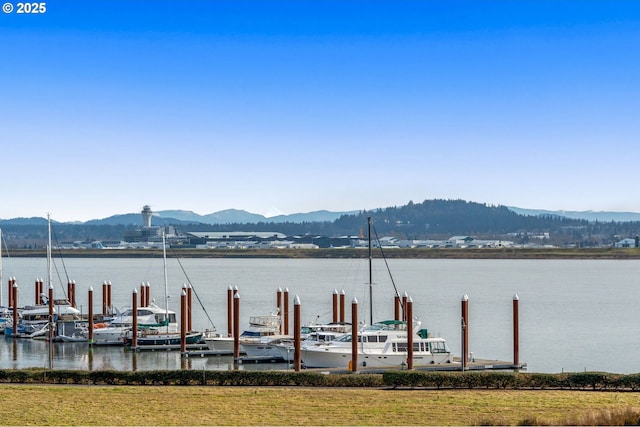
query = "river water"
{"x": 575, "y": 315}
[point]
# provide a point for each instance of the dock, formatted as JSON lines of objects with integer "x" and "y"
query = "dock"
{"x": 474, "y": 365}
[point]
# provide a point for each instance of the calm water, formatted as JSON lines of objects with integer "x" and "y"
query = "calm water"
{"x": 574, "y": 314}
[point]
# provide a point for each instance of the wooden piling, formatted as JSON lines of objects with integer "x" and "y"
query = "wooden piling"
{"x": 147, "y": 295}
{"x": 334, "y": 306}
{"x": 189, "y": 308}
{"x": 409, "y": 310}
{"x": 14, "y": 300}
{"x": 183, "y": 321}
{"x": 10, "y": 291}
{"x": 279, "y": 306}
{"x": 109, "y": 305}
{"x": 342, "y": 297}
{"x": 37, "y": 292}
{"x": 296, "y": 334}
{"x": 143, "y": 298}
{"x": 396, "y": 307}
{"x": 229, "y": 311}
{"x": 73, "y": 294}
{"x": 90, "y": 297}
{"x": 516, "y": 333}
{"x": 465, "y": 330}
{"x": 404, "y": 306}
{"x": 285, "y": 302}
{"x": 134, "y": 326}
{"x": 236, "y": 328}
{"x": 354, "y": 335}
{"x": 104, "y": 298}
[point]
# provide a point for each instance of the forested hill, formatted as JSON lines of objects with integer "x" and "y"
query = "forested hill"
{"x": 436, "y": 219}
{"x": 447, "y": 217}
{"x": 431, "y": 219}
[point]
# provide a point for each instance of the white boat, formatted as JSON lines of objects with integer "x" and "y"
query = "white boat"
{"x": 381, "y": 345}
{"x": 79, "y": 333}
{"x": 218, "y": 343}
{"x": 156, "y": 325}
{"x": 6, "y": 318}
{"x": 35, "y": 318}
{"x": 310, "y": 335}
{"x": 256, "y": 341}
{"x": 148, "y": 317}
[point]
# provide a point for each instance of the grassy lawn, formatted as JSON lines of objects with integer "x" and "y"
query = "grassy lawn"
{"x": 193, "y": 405}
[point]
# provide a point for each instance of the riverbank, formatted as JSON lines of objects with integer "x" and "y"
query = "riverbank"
{"x": 406, "y": 253}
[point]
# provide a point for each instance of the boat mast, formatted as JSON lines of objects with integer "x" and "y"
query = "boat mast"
{"x": 50, "y": 278}
{"x": 1, "y": 280}
{"x": 49, "y": 268}
{"x": 166, "y": 296}
{"x": 370, "y": 275}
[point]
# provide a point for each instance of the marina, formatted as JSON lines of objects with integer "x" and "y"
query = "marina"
{"x": 584, "y": 310}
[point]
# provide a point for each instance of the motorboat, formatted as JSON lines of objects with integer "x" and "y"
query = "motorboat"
{"x": 34, "y": 319}
{"x": 312, "y": 334}
{"x": 155, "y": 336}
{"x": 256, "y": 341}
{"x": 218, "y": 343}
{"x": 6, "y": 318}
{"x": 149, "y": 317}
{"x": 381, "y": 345}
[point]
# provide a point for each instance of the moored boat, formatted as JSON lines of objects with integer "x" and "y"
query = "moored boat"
{"x": 383, "y": 344}
{"x": 258, "y": 340}
{"x": 150, "y": 317}
{"x": 220, "y": 344}
{"x": 310, "y": 335}
{"x": 158, "y": 337}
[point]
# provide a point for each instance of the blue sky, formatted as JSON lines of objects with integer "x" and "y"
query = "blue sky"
{"x": 296, "y": 106}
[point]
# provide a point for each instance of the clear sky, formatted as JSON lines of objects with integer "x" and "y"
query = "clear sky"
{"x": 296, "y": 106}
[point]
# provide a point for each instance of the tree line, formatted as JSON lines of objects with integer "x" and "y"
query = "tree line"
{"x": 430, "y": 219}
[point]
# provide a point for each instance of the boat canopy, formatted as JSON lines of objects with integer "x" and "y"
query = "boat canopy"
{"x": 388, "y": 325}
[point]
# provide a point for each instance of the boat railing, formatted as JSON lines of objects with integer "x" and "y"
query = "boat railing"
{"x": 264, "y": 320}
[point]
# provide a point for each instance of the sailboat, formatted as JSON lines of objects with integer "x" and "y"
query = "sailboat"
{"x": 164, "y": 335}
{"x": 35, "y": 321}
{"x": 6, "y": 317}
{"x": 382, "y": 344}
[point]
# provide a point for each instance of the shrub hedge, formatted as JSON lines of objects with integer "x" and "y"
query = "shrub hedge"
{"x": 390, "y": 379}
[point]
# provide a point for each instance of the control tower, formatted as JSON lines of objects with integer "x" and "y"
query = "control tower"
{"x": 146, "y": 216}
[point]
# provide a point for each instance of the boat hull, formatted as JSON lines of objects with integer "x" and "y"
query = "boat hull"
{"x": 165, "y": 339}
{"x": 321, "y": 357}
{"x": 263, "y": 348}
{"x": 109, "y": 336}
{"x": 221, "y": 345}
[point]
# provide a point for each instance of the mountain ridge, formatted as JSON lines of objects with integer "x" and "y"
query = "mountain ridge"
{"x": 239, "y": 216}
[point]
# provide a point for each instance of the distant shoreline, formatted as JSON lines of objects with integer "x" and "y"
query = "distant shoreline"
{"x": 420, "y": 253}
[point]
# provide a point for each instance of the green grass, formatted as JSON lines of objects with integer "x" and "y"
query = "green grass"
{"x": 194, "y": 405}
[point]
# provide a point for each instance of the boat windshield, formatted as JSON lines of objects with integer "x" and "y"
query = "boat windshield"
{"x": 141, "y": 312}
{"x": 388, "y": 325}
{"x": 258, "y": 333}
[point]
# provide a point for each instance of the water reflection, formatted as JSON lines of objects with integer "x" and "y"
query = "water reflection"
{"x": 29, "y": 353}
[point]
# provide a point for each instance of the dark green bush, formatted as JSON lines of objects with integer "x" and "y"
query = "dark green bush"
{"x": 404, "y": 378}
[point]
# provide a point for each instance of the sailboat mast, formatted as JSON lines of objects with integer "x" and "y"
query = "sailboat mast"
{"x": 370, "y": 275}
{"x": 49, "y": 268}
{"x": 166, "y": 285}
{"x": 1, "y": 280}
